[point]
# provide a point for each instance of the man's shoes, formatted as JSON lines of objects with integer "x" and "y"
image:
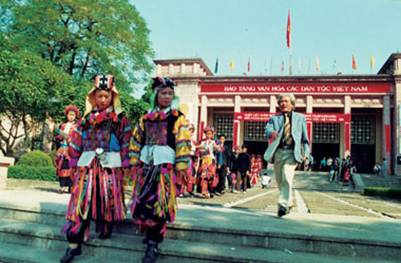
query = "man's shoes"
{"x": 150, "y": 253}
{"x": 70, "y": 254}
{"x": 282, "y": 211}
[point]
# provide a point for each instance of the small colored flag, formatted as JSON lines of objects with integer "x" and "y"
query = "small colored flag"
{"x": 271, "y": 65}
{"x": 216, "y": 66}
{"x": 249, "y": 65}
{"x": 354, "y": 65}
{"x": 300, "y": 65}
{"x": 317, "y": 64}
{"x": 265, "y": 66}
{"x": 288, "y": 35}
{"x": 372, "y": 62}
{"x": 231, "y": 65}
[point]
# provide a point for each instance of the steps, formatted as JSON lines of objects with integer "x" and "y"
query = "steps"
{"x": 202, "y": 234}
{"x": 370, "y": 180}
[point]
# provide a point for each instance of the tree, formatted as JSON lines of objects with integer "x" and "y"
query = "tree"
{"x": 32, "y": 89}
{"x": 53, "y": 48}
{"x": 84, "y": 37}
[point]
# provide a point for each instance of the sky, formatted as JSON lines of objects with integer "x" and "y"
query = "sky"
{"x": 255, "y": 30}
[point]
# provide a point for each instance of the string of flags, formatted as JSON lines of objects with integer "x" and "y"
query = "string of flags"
{"x": 302, "y": 65}
{"x": 288, "y": 40}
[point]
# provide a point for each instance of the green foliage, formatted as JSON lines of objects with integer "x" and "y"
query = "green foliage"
{"x": 33, "y": 86}
{"x": 383, "y": 191}
{"x": 134, "y": 108}
{"x": 84, "y": 37}
{"x": 35, "y": 159}
{"x": 33, "y": 173}
{"x": 50, "y": 50}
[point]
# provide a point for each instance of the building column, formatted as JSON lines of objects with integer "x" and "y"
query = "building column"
{"x": 273, "y": 104}
{"x": 159, "y": 70}
{"x": 396, "y": 124}
{"x": 309, "y": 127}
{"x": 236, "y": 126}
{"x": 386, "y": 146}
{"x": 347, "y": 126}
{"x": 203, "y": 117}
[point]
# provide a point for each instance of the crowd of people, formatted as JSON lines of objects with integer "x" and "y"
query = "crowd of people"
{"x": 218, "y": 168}
{"x": 339, "y": 170}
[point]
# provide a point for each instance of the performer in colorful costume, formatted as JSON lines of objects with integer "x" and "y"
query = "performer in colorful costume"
{"x": 160, "y": 148}
{"x": 99, "y": 154}
{"x": 207, "y": 167}
{"x": 186, "y": 181}
{"x": 63, "y": 138}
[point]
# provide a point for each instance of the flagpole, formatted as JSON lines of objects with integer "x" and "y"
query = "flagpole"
{"x": 271, "y": 66}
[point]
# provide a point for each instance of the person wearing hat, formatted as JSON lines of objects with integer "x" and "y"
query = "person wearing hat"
{"x": 207, "y": 167}
{"x": 160, "y": 148}
{"x": 99, "y": 156}
{"x": 62, "y": 139}
{"x": 289, "y": 146}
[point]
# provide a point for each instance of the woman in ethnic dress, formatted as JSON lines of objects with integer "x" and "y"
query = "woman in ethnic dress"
{"x": 63, "y": 138}
{"x": 159, "y": 149}
{"x": 99, "y": 154}
{"x": 187, "y": 183}
{"x": 207, "y": 166}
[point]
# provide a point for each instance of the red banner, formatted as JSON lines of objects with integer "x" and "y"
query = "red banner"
{"x": 328, "y": 117}
{"x": 313, "y": 117}
{"x": 305, "y": 88}
{"x": 387, "y": 132}
{"x": 253, "y": 116}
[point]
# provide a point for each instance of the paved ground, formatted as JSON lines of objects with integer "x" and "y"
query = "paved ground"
{"x": 313, "y": 193}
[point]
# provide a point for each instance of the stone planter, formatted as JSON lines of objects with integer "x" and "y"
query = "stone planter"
{"x": 5, "y": 162}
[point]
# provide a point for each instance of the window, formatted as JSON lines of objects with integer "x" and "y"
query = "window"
{"x": 223, "y": 124}
{"x": 362, "y": 129}
{"x": 255, "y": 131}
{"x": 324, "y": 132}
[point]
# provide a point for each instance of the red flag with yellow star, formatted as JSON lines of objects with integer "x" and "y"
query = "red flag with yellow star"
{"x": 289, "y": 30}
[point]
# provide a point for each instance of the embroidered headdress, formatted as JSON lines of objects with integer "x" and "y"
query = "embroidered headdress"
{"x": 158, "y": 84}
{"x": 208, "y": 128}
{"x": 72, "y": 108}
{"x": 103, "y": 82}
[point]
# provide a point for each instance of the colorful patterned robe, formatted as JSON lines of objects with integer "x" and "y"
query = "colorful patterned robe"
{"x": 98, "y": 190}
{"x": 154, "y": 189}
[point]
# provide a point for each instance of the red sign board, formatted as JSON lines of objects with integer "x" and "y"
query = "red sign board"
{"x": 252, "y": 116}
{"x": 305, "y": 88}
{"x": 328, "y": 117}
{"x": 312, "y": 117}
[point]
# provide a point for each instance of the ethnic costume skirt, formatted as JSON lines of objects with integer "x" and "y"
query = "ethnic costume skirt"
{"x": 208, "y": 178}
{"x": 64, "y": 172}
{"x": 153, "y": 195}
{"x": 97, "y": 194}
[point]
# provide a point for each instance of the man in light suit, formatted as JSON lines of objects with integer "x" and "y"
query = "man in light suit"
{"x": 289, "y": 145}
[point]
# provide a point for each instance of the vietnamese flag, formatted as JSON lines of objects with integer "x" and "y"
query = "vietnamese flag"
{"x": 289, "y": 30}
{"x": 354, "y": 65}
